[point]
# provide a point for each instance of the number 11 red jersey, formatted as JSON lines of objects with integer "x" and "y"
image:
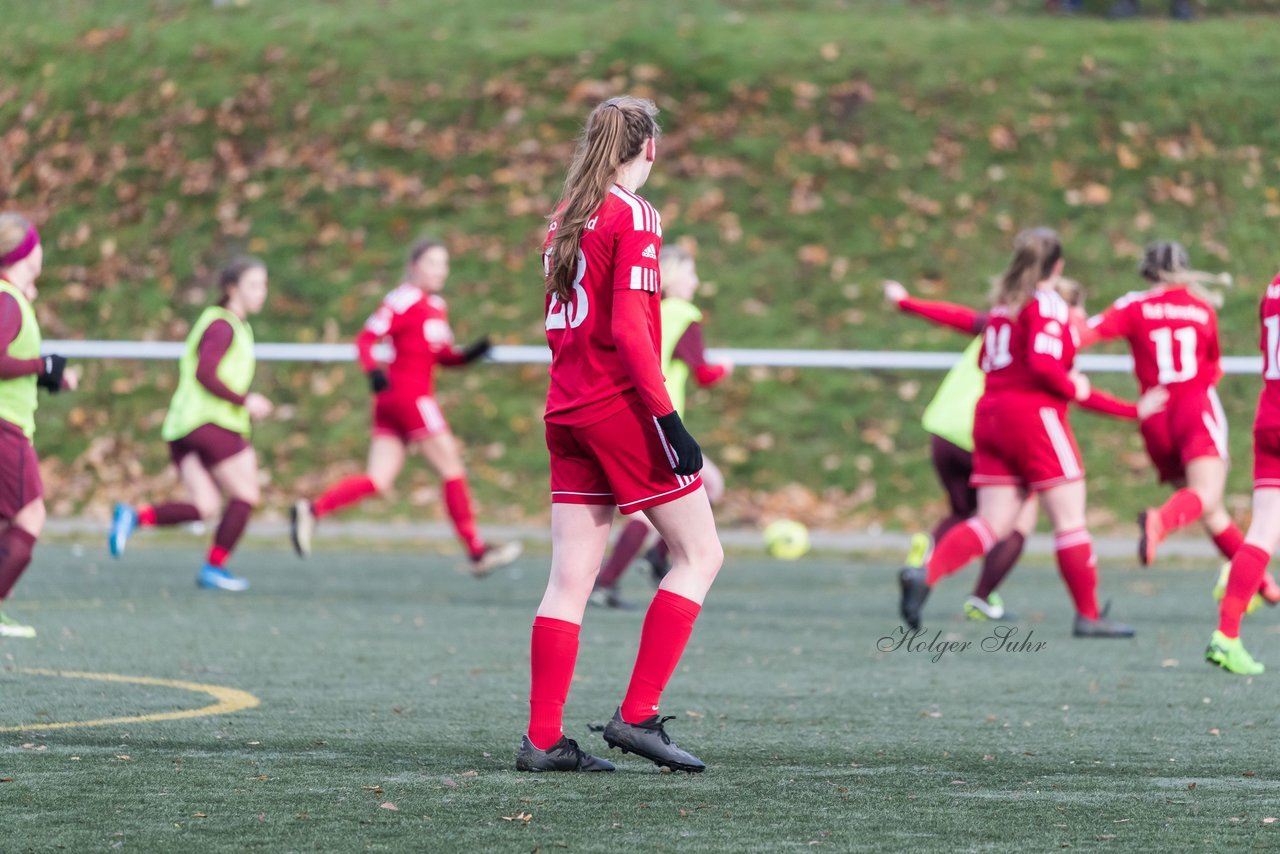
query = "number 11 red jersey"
{"x": 619, "y": 252}
{"x": 1173, "y": 335}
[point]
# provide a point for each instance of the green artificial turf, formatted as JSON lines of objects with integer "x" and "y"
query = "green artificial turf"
{"x": 393, "y": 689}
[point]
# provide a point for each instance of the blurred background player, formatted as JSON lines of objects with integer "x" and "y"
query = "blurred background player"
{"x": 949, "y": 420}
{"x": 22, "y": 371}
{"x": 208, "y": 427}
{"x": 1022, "y": 439}
{"x": 615, "y": 441}
{"x": 1172, "y": 331}
{"x": 683, "y": 356}
{"x": 1249, "y": 565}
{"x": 405, "y": 413}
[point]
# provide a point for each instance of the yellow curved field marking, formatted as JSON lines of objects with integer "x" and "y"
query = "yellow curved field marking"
{"x": 228, "y": 700}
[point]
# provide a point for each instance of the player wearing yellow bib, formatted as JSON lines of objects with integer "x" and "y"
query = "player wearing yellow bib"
{"x": 22, "y": 371}
{"x": 208, "y": 427}
{"x": 683, "y": 357}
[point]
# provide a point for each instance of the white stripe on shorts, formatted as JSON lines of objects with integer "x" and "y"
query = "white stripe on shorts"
{"x": 1061, "y": 444}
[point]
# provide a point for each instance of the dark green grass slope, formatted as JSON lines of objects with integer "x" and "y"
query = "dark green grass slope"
{"x": 809, "y": 151}
{"x": 393, "y": 679}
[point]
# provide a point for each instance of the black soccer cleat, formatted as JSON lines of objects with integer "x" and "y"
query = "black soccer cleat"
{"x": 1103, "y": 627}
{"x": 564, "y": 755}
{"x": 607, "y": 597}
{"x": 914, "y": 592}
{"x": 650, "y": 740}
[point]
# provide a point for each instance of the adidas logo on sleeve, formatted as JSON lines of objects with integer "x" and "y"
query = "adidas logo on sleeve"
{"x": 650, "y": 252}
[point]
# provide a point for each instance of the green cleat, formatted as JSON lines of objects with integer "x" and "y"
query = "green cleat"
{"x": 1220, "y": 590}
{"x": 978, "y": 611}
{"x": 11, "y": 628}
{"x": 921, "y": 546}
{"x": 1230, "y": 655}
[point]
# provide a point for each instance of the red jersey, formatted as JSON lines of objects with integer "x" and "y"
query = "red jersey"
{"x": 418, "y": 325}
{"x": 1028, "y": 358}
{"x": 1173, "y": 335}
{"x": 599, "y": 350}
{"x": 1268, "y": 417}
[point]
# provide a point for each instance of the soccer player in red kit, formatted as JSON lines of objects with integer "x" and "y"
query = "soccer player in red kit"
{"x": 615, "y": 441}
{"x": 1172, "y": 330}
{"x": 405, "y": 414}
{"x": 949, "y": 420}
{"x": 1249, "y": 564}
{"x": 1022, "y": 440}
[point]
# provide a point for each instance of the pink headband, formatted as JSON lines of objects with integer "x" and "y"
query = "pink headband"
{"x": 23, "y": 249}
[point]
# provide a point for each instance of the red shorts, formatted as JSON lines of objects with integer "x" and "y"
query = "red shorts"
{"x": 1191, "y": 426}
{"x": 1029, "y": 446}
{"x": 407, "y": 418}
{"x": 20, "y": 482}
{"x": 1266, "y": 459}
{"x": 210, "y": 443}
{"x": 620, "y": 460}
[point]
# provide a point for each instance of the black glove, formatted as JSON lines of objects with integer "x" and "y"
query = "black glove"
{"x": 51, "y": 369}
{"x": 378, "y": 381}
{"x": 688, "y": 455}
{"x": 477, "y": 350}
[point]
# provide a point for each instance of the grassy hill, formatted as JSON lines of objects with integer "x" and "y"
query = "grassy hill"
{"x": 811, "y": 149}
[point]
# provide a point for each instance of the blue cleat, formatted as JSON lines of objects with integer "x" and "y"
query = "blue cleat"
{"x": 214, "y": 578}
{"x": 122, "y": 525}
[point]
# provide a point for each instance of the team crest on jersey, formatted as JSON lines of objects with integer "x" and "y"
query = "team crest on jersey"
{"x": 650, "y": 252}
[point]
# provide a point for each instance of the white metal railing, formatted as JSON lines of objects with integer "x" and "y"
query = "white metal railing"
{"x": 864, "y": 360}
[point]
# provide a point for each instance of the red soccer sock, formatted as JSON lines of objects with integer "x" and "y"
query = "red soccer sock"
{"x": 629, "y": 543}
{"x": 344, "y": 493}
{"x": 161, "y": 515}
{"x": 1229, "y": 540}
{"x": 553, "y": 652}
{"x": 457, "y": 499}
{"x": 16, "y": 545}
{"x": 958, "y": 546}
{"x": 1079, "y": 570}
{"x": 667, "y": 627}
{"x": 999, "y": 563}
{"x": 1247, "y": 569}
{"x": 1182, "y": 508}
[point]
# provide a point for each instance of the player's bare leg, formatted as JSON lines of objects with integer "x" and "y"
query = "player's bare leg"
{"x": 386, "y": 459}
{"x": 689, "y": 529}
{"x": 579, "y": 537}
{"x": 441, "y": 451}
{"x": 17, "y": 542}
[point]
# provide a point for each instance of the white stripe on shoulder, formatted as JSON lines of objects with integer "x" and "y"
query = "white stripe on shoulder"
{"x": 643, "y": 215}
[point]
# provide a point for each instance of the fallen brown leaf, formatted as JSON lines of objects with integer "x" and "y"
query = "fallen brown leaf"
{"x": 526, "y": 817}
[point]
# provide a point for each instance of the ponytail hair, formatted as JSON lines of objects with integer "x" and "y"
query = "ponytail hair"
{"x": 231, "y": 274}
{"x": 1035, "y": 252}
{"x": 1166, "y": 262}
{"x": 615, "y": 134}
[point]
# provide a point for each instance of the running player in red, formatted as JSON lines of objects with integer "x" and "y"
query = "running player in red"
{"x": 1172, "y": 330}
{"x": 615, "y": 441}
{"x": 22, "y": 371}
{"x": 1249, "y": 564}
{"x": 683, "y": 356}
{"x": 1022, "y": 440}
{"x": 405, "y": 414}
{"x": 208, "y": 427}
{"x": 949, "y": 420}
